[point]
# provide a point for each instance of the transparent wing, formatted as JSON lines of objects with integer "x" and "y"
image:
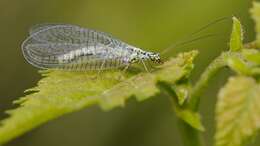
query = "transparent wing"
{"x": 39, "y": 27}
{"x": 66, "y": 33}
{"x": 46, "y": 55}
{"x": 56, "y": 45}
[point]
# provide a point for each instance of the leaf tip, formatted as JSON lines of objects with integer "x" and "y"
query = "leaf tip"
{"x": 236, "y": 40}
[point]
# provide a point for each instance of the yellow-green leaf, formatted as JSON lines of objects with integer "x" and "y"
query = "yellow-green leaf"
{"x": 237, "y": 111}
{"x": 236, "y": 41}
{"x": 252, "y": 55}
{"x": 62, "y": 92}
{"x": 190, "y": 117}
{"x": 238, "y": 65}
{"x": 182, "y": 92}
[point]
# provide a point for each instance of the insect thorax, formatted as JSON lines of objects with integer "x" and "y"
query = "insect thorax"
{"x": 140, "y": 55}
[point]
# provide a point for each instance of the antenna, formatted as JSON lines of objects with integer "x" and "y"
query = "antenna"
{"x": 210, "y": 24}
{"x": 187, "y": 40}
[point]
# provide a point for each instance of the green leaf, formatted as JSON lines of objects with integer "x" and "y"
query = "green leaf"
{"x": 236, "y": 41}
{"x": 182, "y": 91}
{"x": 245, "y": 62}
{"x": 61, "y": 92}
{"x": 255, "y": 12}
{"x": 237, "y": 111}
{"x": 252, "y": 55}
{"x": 238, "y": 65}
{"x": 190, "y": 117}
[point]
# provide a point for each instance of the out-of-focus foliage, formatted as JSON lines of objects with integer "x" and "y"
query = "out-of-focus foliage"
{"x": 238, "y": 111}
{"x": 235, "y": 45}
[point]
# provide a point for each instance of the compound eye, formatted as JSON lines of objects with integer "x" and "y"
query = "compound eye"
{"x": 159, "y": 61}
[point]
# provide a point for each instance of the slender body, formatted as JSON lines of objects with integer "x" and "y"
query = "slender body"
{"x": 70, "y": 47}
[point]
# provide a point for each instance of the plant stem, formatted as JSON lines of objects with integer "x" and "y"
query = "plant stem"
{"x": 189, "y": 135}
{"x": 199, "y": 87}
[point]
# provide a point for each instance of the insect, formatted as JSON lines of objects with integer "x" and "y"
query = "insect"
{"x": 71, "y": 47}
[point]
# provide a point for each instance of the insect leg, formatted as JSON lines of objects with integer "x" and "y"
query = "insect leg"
{"x": 101, "y": 67}
{"x": 145, "y": 66}
{"x": 125, "y": 69}
{"x": 149, "y": 63}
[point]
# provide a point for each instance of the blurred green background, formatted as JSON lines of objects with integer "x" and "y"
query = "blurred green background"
{"x": 150, "y": 24}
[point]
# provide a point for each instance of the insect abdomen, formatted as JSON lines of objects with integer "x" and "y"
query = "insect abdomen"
{"x": 94, "y": 64}
{"x": 94, "y": 58}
